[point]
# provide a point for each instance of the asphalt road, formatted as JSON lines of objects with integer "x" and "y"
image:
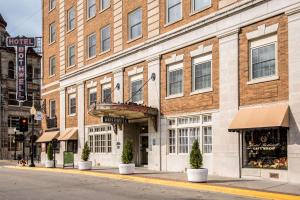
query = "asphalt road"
{"x": 37, "y": 185}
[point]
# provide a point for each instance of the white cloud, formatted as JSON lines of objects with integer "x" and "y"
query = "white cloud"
{"x": 23, "y": 17}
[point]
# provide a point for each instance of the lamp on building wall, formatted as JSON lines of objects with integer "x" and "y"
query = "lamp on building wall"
{"x": 33, "y": 113}
{"x": 118, "y": 86}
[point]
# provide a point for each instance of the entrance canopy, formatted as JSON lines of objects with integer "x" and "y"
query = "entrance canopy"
{"x": 69, "y": 134}
{"x": 48, "y": 137}
{"x": 261, "y": 117}
{"x": 130, "y": 110}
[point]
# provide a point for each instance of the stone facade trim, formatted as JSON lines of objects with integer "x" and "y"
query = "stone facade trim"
{"x": 71, "y": 90}
{"x": 135, "y": 71}
{"x": 91, "y": 84}
{"x": 262, "y": 30}
{"x": 201, "y": 50}
{"x": 105, "y": 80}
{"x": 174, "y": 58}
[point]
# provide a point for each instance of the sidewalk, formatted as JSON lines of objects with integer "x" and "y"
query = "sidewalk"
{"x": 232, "y": 185}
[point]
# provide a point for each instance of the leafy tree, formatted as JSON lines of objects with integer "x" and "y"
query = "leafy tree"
{"x": 196, "y": 156}
{"x": 50, "y": 151}
{"x": 85, "y": 152}
{"x": 127, "y": 154}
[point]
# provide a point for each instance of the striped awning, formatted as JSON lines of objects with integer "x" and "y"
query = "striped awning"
{"x": 48, "y": 136}
{"x": 69, "y": 134}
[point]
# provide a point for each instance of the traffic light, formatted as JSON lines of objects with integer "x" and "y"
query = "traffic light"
{"x": 23, "y": 124}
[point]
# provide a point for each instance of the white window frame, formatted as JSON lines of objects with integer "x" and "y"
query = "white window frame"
{"x": 130, "y": 25}
{"x": 171, "y": 68}
{"x": 52, "y": 102}
{"x": 167, "y": 13}
{"x": 189, "y": 123}
{"x": 51, "y": 39}
{"x": 51, "y": 71}
{"x": 72, "y": 9}
{"x": 201, "y": 60}
{"x": 101, "y": 5}
{"x": 105, "y": 87}
{"x": 69, "y": 55}
{"x": 88, "y": 45}
{"x": 50, "y": 5}
{"x": 203, "y": 141}
{"x": 107, "y": 27}
{"x": 88, "y": 6}
{"x": 139, "y": 77}
{"x": 193, "y": 10}
{"x": 91, "y": 91}
{"x": 261, "y": 43}
{"x": 95, "y": 133}
{"x": 71, "y": 96}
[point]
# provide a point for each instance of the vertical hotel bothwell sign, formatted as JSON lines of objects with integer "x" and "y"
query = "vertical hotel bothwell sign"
{"x": 21, "y": 45}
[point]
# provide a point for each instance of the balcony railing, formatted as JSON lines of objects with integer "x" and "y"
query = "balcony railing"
{"x": 51, "y": 122}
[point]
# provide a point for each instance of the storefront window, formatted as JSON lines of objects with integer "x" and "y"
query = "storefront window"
{"x": 265, "y": 149}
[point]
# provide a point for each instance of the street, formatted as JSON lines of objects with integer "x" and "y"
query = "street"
{"x": 37, "y": 185}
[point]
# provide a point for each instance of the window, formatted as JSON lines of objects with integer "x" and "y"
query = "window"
{"x": 71, "y": 55}
{"x": 91, "y": 142}
{"x": 202, "y": 75}
{"x": 173, "y": 10}
{"x": 175, "y": 76}
{"x": 263, "y": 57}
{"x": 106, "y": 93}
{"x": 265, "y": 148}
{"x": 11, "y": 70}
{"x": 104, "y": 4}
{"x": 172, "y": 141}
{"x": 105, "y": 39}
{"x": 207, "y": 140}
{"x": 52, "y": 65}
{"x": 135, "y": 24}
{"x": 72, "y": 104}
{"x": 136, "y": 88}
{"x": 52, "y": 109}
{"x": 92, "y": 45}
{"x": 29, "y": 72}
{"x": 100, "y": 139}
{"x": 52, "y": 31}
{"x": 52, "y": 4}
{"x": 71, "y": 19}
{"x": 91, "y": 8}
{"x": 92, "y": 96}
{"x": 183, "y": 131}
{"x": 200, "y": 5}
{"x": 71, "y": 146}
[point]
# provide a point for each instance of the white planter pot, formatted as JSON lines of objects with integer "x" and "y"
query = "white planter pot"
{"x": 197, "y": 175}
{"x": 85, "y": 165}
{"x": 126, "y": 168}
{"x": 49, "y": 163}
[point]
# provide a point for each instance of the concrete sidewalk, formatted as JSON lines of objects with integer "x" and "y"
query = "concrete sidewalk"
{"x": 252, "y": 184}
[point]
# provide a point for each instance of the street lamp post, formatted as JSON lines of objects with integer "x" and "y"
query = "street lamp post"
{"x": 32, "y": 112}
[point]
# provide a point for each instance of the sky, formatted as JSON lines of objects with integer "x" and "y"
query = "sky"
{"x": 23, "y": 17}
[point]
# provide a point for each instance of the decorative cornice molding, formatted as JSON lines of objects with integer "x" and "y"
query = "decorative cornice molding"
{"x": 135, "y": 71}
{"x": 201, "y": 50}
{"x": 105, "y": 80}
{"x": 262, "y": 30}
{"x": 174, "y": 58}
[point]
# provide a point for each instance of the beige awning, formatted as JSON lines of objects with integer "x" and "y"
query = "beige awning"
{"x": 69, "y": 134}
{"x": 274, "y": 116}
{"x": 48, "y": 136}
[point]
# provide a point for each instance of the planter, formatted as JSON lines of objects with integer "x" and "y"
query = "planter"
{"x": 126, "y": 168}
{"x": 197, "y": 175}
{"x": 85, "y": 165}
{"x": 49, "y": 163}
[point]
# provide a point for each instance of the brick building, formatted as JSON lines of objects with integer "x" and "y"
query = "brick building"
{"x": 10, "y": 109}
{"x": 163, "y": 73}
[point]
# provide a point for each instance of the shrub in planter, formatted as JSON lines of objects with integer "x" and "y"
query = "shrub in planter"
{"x": 49, "y": 162}
{"x": 85, "y": 164}
{"x": 127, "y": 167}
{"x": 196, "y": 173}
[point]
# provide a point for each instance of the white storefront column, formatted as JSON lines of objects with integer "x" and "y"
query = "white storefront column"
{"x": 118, "y": 98}
{"x": 294, "y": 95}
{"x": 80, "y": 120}
{"x": 225, "y": 144}
{"x": 155, "y": 140}
{"x": 62, "y": 122}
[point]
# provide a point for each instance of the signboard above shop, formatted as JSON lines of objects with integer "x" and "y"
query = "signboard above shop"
{"x": 21, "y": 45}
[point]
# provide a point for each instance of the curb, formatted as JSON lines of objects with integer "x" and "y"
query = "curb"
{"x": 171, "y": 183}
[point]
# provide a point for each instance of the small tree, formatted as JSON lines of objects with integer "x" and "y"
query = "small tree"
{"x": 127, "y": 154}
{"x": 85, "y": 152}
{"x": 196, "y": 156}
{"x": 50, "y": 151}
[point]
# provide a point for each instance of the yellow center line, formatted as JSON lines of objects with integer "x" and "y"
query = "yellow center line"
{"x": 171, "y": 183}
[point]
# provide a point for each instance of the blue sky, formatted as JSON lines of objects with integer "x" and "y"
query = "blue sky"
{"x": 22, "y": 16}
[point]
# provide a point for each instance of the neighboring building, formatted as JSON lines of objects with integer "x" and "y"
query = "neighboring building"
{"x": 177, "y": 70}
{"x": 11, "y": 110}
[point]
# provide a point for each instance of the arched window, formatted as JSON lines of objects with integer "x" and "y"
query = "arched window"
{"x": 11, "y": 70}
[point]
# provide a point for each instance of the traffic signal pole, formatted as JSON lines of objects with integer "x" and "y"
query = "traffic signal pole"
{"x": 32, "y": 146}
{"x": 24, "y": 147}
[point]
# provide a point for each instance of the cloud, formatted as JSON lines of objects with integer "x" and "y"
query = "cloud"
{"x": 23, "y": 17}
